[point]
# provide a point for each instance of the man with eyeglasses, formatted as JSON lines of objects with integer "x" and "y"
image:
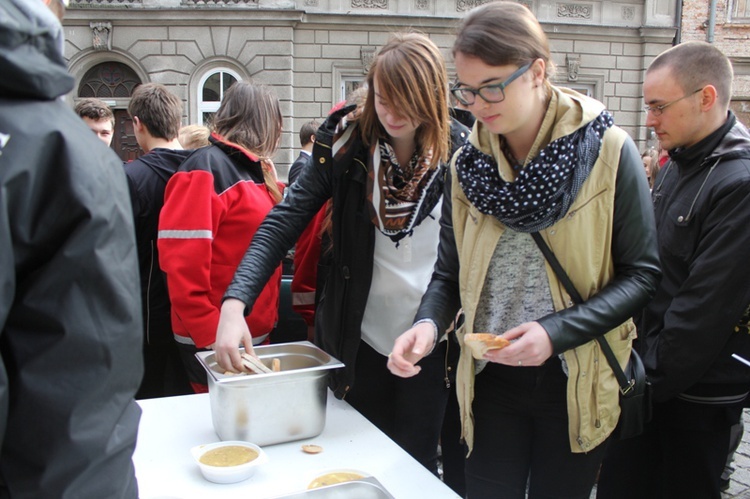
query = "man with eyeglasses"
{"x": 699, "y": 316}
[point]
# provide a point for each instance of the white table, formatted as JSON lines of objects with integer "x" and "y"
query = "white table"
{"x": 171, "y": 426}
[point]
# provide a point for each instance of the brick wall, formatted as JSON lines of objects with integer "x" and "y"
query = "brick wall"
{"x": 731, "y": 36}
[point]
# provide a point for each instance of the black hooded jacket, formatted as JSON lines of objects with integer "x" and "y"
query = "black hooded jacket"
{"x": 147, "y": 181}
{"x": 698, "y": 317}
{"x": 70, "y": 318}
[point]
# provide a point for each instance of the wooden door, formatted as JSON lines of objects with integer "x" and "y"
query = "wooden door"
{"x": 124, "y": 142}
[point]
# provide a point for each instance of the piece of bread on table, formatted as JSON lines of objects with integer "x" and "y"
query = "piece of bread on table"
{"x": 481, "y": 343}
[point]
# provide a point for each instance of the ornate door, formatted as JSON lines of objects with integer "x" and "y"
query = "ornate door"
{"x": 114, "y": 82}
{"x": 124, "y": 142}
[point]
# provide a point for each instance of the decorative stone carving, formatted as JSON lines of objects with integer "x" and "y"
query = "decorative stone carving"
{"x": 311, "y": 3}
{"x": 464, "y": 5}
{"x": 101, "y": 35}
{"x": 105, "y": 2}
{"x": 628, "y": 12}
{"x": 575, "y": 10}
{"x": 370, "y": 4}
{"x": 574, "y": 63}
{"x": 218, "y": 3}
{"x": 421, "y": 4}
{"x": 367, "y": 55}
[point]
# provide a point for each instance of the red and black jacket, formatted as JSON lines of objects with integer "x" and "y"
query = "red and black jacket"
{"x": 213, "y": 205}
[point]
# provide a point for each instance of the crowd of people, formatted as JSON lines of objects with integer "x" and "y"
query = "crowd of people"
{"x": 420, "y": 210}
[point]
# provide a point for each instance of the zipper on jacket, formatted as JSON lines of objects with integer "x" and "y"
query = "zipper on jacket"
{"x": 148, "y": 293}
{"x": 578, "y": 402}
{"x": 595, "y": 384}
{"x": 686, "y": 218}
{"x": 345, "y": 274}
{"x": 447, "y": 379}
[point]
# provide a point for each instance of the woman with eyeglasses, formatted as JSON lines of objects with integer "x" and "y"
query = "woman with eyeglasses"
{"x": 536, "y": 414}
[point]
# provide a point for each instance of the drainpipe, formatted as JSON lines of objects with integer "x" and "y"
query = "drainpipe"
{"x": 678, "y": 35}
{"x": 711, "y": 22}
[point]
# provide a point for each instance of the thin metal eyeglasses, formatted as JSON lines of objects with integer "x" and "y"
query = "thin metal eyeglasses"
{"x": 492, "y": 93}
{"x": 657, "y": 110}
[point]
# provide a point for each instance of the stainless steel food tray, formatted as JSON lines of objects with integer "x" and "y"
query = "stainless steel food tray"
{"x": 274, "y": 407}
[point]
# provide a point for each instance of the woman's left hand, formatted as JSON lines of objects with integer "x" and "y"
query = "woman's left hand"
{"x": 532, "y": 346}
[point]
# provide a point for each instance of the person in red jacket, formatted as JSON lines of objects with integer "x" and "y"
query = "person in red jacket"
{"x": 213, "y": 205}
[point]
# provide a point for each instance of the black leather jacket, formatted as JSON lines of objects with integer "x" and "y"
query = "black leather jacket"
{"x": 347, "y": 268}
{"x": 699, "y": 316}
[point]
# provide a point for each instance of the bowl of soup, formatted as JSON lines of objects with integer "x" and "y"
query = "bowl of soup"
{"x": 336, "y": 476}
{"x": 229, "y": 461}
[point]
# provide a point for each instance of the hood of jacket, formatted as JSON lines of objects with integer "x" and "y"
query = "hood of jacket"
{"x": 567, "y": 112}
{"x": 165, "y": 162}
{"x": 31, "y": 59}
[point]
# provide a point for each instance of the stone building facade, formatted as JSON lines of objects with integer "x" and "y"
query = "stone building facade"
{"x": 313, "y": 52}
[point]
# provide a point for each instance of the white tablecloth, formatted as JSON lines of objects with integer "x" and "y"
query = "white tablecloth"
{"x": 171, "y": 426}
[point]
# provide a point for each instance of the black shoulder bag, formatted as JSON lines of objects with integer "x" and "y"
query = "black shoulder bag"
{"x": 635, "y": 390}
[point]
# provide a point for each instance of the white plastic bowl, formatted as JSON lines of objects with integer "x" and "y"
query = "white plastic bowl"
{"x": 228, "y": 474}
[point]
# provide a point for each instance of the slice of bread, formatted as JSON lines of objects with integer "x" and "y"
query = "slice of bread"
{"x": 481, "y": 343}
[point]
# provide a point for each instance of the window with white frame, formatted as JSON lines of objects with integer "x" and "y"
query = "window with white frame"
{"x": 211, "y": 91}
{"x": 739, "y": 11}
{"x": 350, "y": 84}
{"x": 345, "y": 79}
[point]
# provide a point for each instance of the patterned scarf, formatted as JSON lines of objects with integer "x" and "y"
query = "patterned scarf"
{"x": 404, "y": 197}
{"x": 396, "y": 193}
{"x": 544, "y": 189}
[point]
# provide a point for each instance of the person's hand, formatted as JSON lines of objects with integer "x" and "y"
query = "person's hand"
{"x": 232, "y": 331}
{"x": 409, "y": 348}
{"x": 532, "y": 346}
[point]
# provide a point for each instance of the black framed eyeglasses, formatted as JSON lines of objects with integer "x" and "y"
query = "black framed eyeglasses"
{"x": 657, "y": 110}
{"x": 492, "y": 93}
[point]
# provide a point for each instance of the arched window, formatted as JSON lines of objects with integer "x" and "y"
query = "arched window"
{"x": 211, "y": 91}
{"x": 108, "y": 80}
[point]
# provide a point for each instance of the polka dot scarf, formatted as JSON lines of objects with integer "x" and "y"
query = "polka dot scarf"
{"x": 545, "y": 188}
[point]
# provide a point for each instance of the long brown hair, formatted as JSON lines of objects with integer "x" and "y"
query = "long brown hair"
{"x": 412, "y": 78}
{"x": 250, "y": 117}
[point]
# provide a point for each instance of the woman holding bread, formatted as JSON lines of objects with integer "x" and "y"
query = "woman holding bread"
{"x": 543, "y": 159}
{"x": 383, "y": 164}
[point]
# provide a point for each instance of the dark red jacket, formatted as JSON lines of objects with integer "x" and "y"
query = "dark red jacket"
{"x": 213, "y": 205}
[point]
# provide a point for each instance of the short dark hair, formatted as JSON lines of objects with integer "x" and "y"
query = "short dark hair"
{"x": 306, "y": 131}
{"x": 696, "y": 64}
{"x": 94, "y": 109}
{"x": 158, "y": 109}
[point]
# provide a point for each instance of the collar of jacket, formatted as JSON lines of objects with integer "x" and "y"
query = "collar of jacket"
{"x": 713, "y": 147}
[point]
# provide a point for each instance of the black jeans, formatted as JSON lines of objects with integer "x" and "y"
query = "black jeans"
{"x": 521, "y": 437}
{"x": 408, "y": 410}
{"x": 681, "y": 454}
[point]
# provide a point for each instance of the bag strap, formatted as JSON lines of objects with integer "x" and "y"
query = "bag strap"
{"x": 626, "y": 385}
